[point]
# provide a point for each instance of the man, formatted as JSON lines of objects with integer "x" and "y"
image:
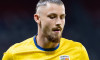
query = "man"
{"x": 48, "y": 44}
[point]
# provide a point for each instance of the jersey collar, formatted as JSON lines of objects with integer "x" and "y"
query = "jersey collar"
{"x": 44, "y": 49}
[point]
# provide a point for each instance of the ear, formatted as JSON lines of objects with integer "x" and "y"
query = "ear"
{"x": 37, "y": 18}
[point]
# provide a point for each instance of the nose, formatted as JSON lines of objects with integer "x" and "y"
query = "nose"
{"x": 58, "y": 21}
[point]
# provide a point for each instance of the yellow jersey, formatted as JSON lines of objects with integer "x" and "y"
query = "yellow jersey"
{"x": 29, "y": 50}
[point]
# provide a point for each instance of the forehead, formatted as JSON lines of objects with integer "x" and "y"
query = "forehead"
{"x": 52, "y": 8}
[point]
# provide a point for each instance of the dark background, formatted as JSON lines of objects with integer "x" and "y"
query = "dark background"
{"x": 82, "y": 23}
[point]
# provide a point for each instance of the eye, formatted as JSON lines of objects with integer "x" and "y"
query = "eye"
{"x": 52, "y": 16}
{"x": 62, "y": 16}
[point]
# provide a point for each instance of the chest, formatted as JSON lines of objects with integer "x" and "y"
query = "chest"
{"x": 60, "y": 55}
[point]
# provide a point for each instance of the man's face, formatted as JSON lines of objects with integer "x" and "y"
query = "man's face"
{"x": 52, "y": 21}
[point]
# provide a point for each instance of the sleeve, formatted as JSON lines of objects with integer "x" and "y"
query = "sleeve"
{"x": 84, "y": 54}
{"x": 7, "y": 56}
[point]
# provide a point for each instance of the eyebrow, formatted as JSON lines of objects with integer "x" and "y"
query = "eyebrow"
{"x": 55, "y": 14}
{"x": 63, "y": 14}
{"x": 52, "y": 14}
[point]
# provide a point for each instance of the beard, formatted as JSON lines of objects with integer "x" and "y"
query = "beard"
{"x": 51, "y": 36}
{"x": 54, "y": 38}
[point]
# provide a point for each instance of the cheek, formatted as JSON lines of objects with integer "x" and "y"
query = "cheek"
{"x": 63, "y": 23}
{"x": 46, "y": 26}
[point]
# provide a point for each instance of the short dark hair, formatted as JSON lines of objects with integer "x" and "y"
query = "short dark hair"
{"x": 44, "y": 2}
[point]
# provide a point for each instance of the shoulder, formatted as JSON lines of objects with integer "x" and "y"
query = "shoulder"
{"x": 18, "y": 47}
{"x": 75, "y": 47}
{"x": 67, "y": 44}
{"x": 72, "y": 43}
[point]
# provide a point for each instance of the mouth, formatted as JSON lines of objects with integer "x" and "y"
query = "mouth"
{"x": 56, "y": 29}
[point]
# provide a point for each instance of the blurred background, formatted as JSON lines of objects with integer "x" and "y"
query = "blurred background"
{"x": 82, "y": 23}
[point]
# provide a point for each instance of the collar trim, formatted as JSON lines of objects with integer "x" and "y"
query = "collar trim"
{"x": 44, "y": 49}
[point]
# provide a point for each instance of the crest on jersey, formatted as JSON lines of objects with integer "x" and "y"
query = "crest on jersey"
{"x": 64, "y": 57}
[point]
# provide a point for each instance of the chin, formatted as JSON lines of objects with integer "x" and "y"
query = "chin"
{"x": 54, "y": 38}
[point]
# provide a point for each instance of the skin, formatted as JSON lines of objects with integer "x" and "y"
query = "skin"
{"x": 50, "y": 20}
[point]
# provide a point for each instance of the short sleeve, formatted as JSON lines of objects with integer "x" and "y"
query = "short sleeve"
{"x": 7, "y": 56}
{"x": 84, "y": 54}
